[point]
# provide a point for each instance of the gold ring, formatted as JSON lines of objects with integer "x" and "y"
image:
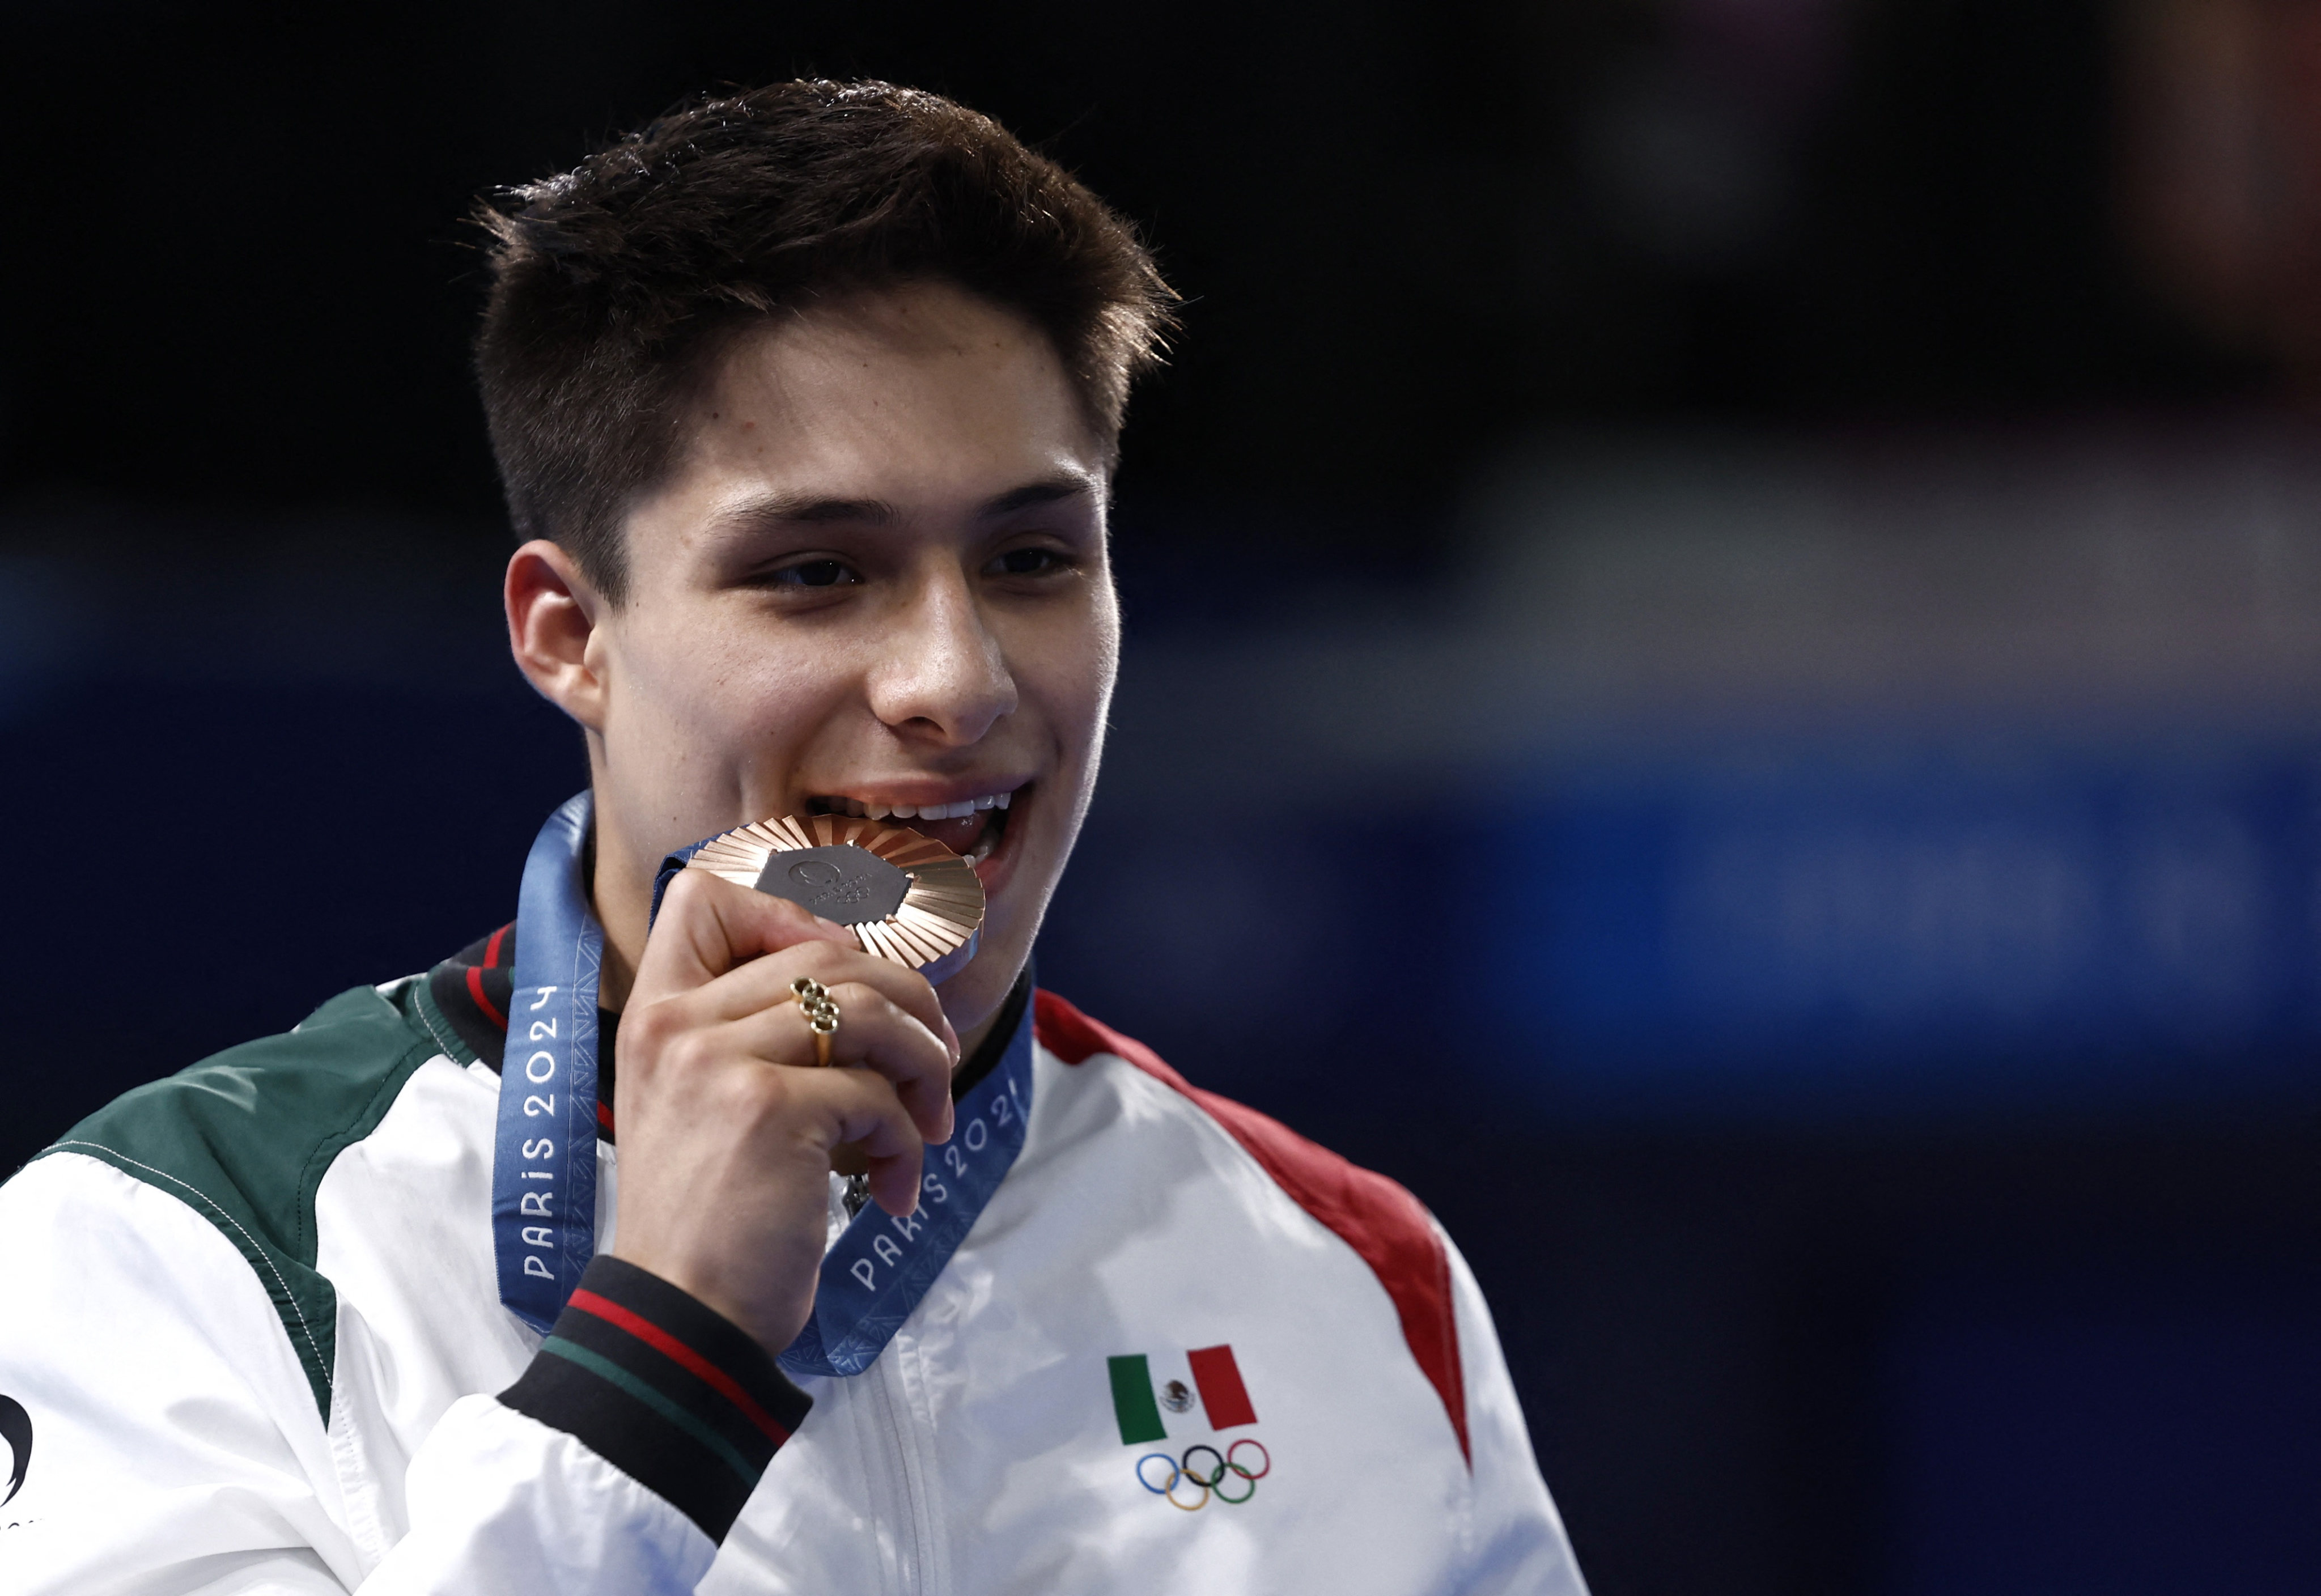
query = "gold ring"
{"x": 821, "y": 1012}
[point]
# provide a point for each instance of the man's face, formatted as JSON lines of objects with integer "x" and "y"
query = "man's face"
{"x": 875, "y": 581}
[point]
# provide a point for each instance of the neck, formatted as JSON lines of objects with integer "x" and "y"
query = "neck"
{"x": 973, "y": 1038}
{"x": 623, "y": 901}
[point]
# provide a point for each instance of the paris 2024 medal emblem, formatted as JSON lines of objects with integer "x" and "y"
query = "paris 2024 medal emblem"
{"x": 905, "y": 897}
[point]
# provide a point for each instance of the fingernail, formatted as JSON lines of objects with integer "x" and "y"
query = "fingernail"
{"x": 828, "y": 925}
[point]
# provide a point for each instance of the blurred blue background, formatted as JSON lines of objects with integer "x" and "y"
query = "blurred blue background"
{"x": 1724, "y": 675}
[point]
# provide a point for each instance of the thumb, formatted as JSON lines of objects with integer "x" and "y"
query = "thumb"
{"x": 709, "y": 925}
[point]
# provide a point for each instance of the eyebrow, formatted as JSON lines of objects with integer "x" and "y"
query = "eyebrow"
{"x": 807, "y": 510}
{"x": 1047, "y": 491}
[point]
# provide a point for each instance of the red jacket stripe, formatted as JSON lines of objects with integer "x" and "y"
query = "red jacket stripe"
{"x": 1383, "y": 1223}
{"x": 476, "y": 990}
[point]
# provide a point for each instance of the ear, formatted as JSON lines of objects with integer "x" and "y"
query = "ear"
{"x": 553, "y": 615}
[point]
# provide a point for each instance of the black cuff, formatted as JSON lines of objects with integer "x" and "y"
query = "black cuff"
{"x": 664, "y": 1389}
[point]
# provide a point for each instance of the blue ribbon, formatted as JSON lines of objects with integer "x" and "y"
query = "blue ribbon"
{"x": 544, "y": 1158}
{"x": 544, "y": 1155}
{"x": 883, "y": 1262}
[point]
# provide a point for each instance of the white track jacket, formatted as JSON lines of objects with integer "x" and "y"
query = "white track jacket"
{"x": 251, "y": 1342}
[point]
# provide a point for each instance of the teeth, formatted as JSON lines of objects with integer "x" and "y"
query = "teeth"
{"x": 869, "y": 810}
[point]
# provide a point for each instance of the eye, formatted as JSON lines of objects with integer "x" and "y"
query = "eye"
{"x": 813, "y": 573}
{"x": 1027, "y": 562}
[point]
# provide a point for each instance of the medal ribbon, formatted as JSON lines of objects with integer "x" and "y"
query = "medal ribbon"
{"x": 544, "y": 1153}
{"x": 884, "y": 1262}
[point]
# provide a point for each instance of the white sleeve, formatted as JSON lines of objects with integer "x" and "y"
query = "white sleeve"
{"x": 500, "y": 1502}
{"x": 1517, "y": 1542}
{"x": 171, "y": 1445}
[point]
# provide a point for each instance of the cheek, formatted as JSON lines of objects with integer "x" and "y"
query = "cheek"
{"x": 675, "y": 684}
{"x": 1074, "y": 686}
{"x": 700, "y": 682}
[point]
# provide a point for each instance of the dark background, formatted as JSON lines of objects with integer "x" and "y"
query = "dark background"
{"x": 1890, "y": 1302}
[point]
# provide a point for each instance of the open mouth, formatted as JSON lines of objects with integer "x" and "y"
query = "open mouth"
{"x": 970, "y": 827}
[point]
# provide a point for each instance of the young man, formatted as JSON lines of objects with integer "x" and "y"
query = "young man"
{"x": 806, "y": 404}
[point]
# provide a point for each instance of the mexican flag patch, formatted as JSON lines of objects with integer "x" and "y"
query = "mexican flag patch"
{"x": 1200, "y": 1390}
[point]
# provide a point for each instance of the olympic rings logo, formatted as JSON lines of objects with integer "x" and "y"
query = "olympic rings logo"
{"x": 1209, "y": 1481}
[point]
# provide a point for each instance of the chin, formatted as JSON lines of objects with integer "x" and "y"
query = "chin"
{"x": 974, "y": 994}
{"x": 1018, "y": 905}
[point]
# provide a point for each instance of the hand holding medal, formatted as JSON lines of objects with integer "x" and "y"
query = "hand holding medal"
{"x": 770, "y": 1029}
{"x": 906, "y": 897}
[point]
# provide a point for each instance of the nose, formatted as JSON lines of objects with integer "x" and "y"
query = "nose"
{"x": 941, "y": 675}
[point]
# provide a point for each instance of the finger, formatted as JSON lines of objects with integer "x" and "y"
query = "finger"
{"x": 860, "y": 1107}
{"x": 707, "y": 927}
{"x": 874, "y": 1034}
{"x": 765, "y": 982}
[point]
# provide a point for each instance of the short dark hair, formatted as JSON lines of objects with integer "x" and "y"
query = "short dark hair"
{"x": 614, "y": 286}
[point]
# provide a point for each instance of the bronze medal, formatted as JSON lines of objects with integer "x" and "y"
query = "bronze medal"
{"x": 905, "y": 897}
